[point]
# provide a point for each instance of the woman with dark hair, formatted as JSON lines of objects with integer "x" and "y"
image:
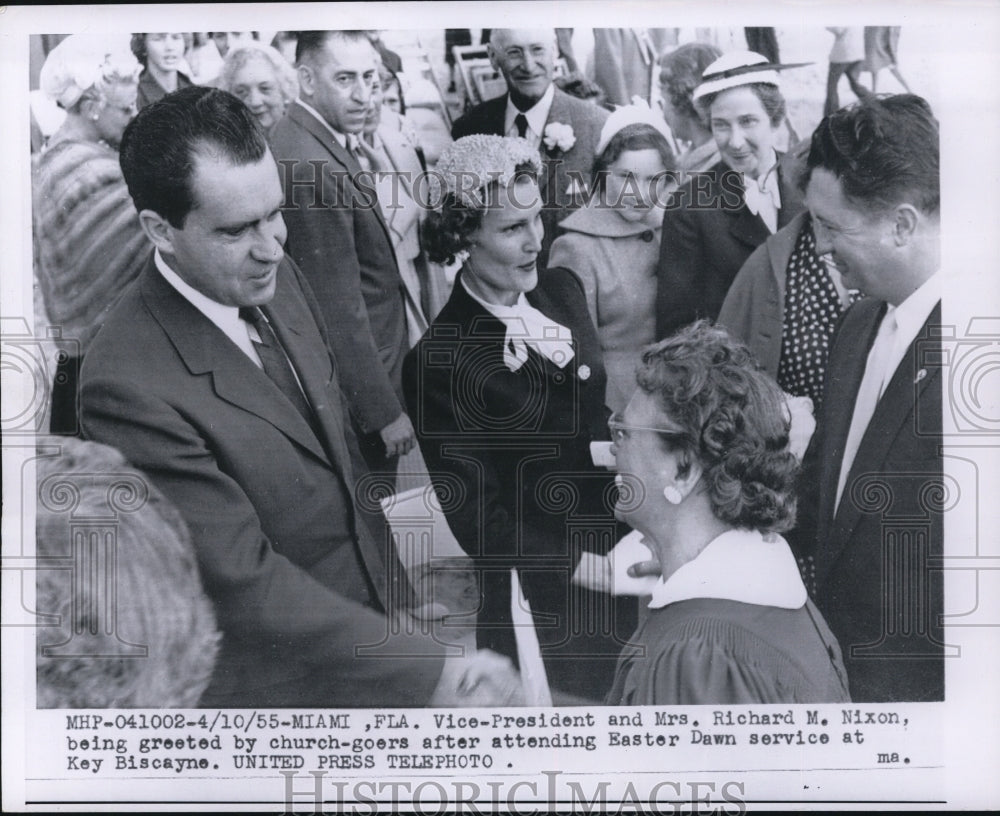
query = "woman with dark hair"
{"x": 506, "y": 391}
{"x": 717, "y": 218}
{"x": 612, "y": 243}
{"x": 680, "y": 75}
{"x": 161, "y": 56}
{"x": 707, "y": 478}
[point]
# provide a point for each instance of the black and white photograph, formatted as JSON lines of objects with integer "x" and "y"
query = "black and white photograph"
{"x": 407, "y": 418}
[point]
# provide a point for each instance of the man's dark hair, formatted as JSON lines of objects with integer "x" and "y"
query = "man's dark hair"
{"x": 159, "y": 146}
{"x": 311, "y": 42}
{"x": 885, "y": 150}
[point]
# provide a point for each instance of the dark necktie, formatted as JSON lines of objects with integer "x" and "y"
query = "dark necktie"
{"x": 274, "y": 361}
{"x": 521, "y": 122}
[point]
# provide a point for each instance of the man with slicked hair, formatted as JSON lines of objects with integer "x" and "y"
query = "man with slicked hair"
{"x": 338, "y": 237}
{"x": 213, "y": 376}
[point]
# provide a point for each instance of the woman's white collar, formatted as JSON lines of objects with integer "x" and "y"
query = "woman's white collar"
{"x": 739, "y": 565}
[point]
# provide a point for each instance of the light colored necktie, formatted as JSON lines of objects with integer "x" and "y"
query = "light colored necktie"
{"x": 529, "y": 328}
{"x": 375, "y": 161}
{"x": 763, "y": 199}
{"x": 354, "y": 143}
{"x": 873, "y": 383}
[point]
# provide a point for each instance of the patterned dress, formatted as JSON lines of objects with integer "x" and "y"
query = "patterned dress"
{"x": 812, "y": 310}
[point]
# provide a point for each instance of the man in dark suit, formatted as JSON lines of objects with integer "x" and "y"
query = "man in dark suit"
{"x": 214, "y": 377}
{"x": 536, "y": 109}
{"x": 337, "y": 236}
{"x": 871, "y": 514}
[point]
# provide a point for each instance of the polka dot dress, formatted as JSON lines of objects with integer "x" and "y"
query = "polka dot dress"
{"x": 812, "y": 309}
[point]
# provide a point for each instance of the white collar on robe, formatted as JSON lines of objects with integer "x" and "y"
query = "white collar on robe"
{"x": 739, "y": 565}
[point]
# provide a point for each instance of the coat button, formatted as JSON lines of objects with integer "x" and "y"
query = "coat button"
{"x": 583, "y": 372}
{"x": 647, "y": 236}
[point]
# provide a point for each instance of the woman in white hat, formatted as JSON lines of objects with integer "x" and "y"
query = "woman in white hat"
{"x": 88, "y": 242}
{"x": 613, "y": 242}
{"x": 716, "y": 219}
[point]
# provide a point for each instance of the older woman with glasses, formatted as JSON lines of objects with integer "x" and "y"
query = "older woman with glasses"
{"x": 506, "y": 391}
{"x": 88, "y": 242}
{"x": 707, "y": 478}
{"x": 261, "y": 78}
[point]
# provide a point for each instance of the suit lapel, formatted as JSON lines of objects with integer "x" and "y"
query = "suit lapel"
{"x": 205, "y": 349}
{"x": 310, "y": 358}
{"x": 895, "y": 409}
{"x": 341, "y": 155}
{"x": 743, "y": 225}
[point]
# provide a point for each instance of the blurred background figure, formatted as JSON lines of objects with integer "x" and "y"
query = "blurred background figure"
{"x": 680, "y": 74}
{"x": 453, "y": 37}
{"x": 262, "y": 79}
{"x": 881, "y": 50}
{"x": 704, "y": 441}
{"x": 612, "y": 243}
{"x": 88, "y": 243}
{"x": 625, "y": 61}
{"x": 284, "y": 43}
{"x": 847, "y": 56}
{"x": 162, "y": 58}
{"x": 389, "y": 58}
{"x": 395, "y": 167}
{"x": 226, "y": 41}
{"x": 142, "y": 635}
{"x": 763, "y": 41}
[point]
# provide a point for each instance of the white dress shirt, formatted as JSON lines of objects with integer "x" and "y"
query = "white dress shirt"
{"x": 537, "y": 116}
{"x": 762, "y": 196}
{"x": 226, "y": 318}
{"x": 899, "y": 328}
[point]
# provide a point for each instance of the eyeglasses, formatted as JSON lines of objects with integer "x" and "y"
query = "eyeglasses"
{"x": 619, "y": 430}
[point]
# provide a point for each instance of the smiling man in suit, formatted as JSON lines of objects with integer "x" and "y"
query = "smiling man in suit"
{"x": 338, "y": 237}
{"x": 870, "y": 517}
{"x": 536, "y": 109}
{"x": 213, "y": 376}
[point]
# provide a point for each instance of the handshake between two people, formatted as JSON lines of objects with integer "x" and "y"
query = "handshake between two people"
{"x": 478, "y": 679}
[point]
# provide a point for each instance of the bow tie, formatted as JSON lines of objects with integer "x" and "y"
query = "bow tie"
{"x": 763, "y": 198}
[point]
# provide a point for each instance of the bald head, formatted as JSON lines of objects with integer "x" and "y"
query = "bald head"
{"x": 526, "y": 57}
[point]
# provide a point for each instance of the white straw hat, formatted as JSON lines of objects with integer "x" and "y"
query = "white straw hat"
{"x": 739, "y": 68}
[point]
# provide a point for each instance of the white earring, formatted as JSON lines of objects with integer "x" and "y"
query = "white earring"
{"x": 672, "y": 494}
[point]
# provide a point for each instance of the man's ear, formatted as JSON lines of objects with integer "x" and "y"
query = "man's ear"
{"x": 158, "y": 230}
{"x": 306, "y": 84}
{"x": 494, "y": 58}
{"x": 905, "y": 226}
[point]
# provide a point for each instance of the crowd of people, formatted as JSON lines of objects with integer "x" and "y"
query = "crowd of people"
{"x": 587, "y": 324}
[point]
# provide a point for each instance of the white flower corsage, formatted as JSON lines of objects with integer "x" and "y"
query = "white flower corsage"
{"x": 558, "y": 136}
